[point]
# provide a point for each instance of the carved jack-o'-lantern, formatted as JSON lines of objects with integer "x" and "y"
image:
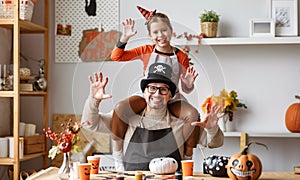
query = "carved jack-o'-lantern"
{"x": 244, "y": 166}
{"x": 87, "y": 171}
{"x": 84, "y": 170}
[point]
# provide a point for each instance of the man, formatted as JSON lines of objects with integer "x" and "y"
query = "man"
{"x": 155, "y": 132}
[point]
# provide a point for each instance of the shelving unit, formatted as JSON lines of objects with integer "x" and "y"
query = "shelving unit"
{"x": 25, "y": 27}
{"x": 291, "y": 40}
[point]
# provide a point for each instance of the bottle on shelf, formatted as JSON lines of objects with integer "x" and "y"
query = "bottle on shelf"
{"x": 41, "y": 83}
{"x": 6, "y": 78}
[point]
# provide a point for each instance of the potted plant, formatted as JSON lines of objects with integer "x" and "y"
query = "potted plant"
{"x": 209, "y": 23}
{"x": 228, "y": 102}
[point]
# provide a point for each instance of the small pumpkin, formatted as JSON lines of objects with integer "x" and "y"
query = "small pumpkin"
{"x": 163, "y": 165}
{"x": 292, "y": 117}
{"x": 244, "y": 166}
{"x": 216, "y": 166}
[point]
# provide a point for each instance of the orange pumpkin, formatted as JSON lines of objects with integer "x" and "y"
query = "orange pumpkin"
{"x": 244, "y": 166}
{"x": 292, "y": 117}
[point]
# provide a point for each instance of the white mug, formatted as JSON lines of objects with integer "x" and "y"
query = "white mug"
{"x": 3, "y": 147}
{"x": 11, "y": 147}
{"x": 30, "y": 129}
{"x": 22, "y": 129}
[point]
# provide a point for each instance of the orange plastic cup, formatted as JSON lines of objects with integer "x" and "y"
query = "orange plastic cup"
{"x": 187, "y": 167}
{"x": 84, "y": 170}
{"x": 95, "y": 161}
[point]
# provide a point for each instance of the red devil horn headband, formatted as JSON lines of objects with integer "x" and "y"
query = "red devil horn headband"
{"x": 147, "y": 14}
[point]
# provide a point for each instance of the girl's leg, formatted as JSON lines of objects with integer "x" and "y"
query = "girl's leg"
{"x": 185, "y": 111}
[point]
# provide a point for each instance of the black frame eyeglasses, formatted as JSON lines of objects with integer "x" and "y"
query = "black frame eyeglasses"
{"x": 162, "y": 90}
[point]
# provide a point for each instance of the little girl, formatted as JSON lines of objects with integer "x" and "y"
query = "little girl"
{"x": 160, "y": 31}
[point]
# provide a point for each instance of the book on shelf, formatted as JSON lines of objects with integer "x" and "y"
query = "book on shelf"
{"x": 297, "y": 169}
{"x": 26, "y": 87}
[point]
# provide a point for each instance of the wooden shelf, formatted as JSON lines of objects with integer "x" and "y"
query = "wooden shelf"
{"x": 239, "y": 41}
{"x": 232, "y": 134}
{"x": 23, "y": 93}
{"x": 10, "y": 161}
{"x": 33, "y": 93}
{"x": 244, "y": 136}
{"x": 6, "y": 22}
{"x": 25, "y": 26}
{"x": 7, "y": 93}
{"x": 29, "y": 27}
{"x": 274, "y": 135}
{"x": 263, "y": 135}
{"x": 32, "y": 156}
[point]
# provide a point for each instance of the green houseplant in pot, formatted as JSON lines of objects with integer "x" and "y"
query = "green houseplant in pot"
{"x": 209, "y": 23}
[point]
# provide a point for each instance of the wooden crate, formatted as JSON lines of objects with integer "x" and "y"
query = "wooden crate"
{"x": 34, "y": 144}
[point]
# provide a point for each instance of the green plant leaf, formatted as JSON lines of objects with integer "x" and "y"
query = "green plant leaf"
{"x": 209, "y": 16}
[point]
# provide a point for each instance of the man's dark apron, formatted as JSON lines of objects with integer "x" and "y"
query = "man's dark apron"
{"x": 147, "y": 144}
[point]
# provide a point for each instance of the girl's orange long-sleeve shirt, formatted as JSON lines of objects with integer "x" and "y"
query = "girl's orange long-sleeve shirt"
{"x": 143, "y": 53}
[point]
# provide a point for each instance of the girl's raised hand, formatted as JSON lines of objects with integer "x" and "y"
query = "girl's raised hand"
{"x": 190, "y": 76}
{"x": 128, "y": 30}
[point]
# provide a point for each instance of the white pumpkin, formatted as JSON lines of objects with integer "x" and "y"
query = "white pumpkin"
{"x": 163, "y": 165}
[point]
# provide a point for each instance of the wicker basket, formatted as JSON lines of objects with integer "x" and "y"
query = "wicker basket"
{"x": 7, "y": 9}
{"x": 26, "y": 9}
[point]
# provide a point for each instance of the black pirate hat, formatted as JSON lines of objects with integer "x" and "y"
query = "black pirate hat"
{"x": 159, "y": 73}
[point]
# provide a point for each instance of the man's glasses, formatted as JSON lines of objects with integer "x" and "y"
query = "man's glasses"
{"x": 153, "y": 89}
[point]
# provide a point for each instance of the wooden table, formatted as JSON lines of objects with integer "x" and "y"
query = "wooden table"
{"x": 51, "y": 174}
{"x": 264, "y": 176}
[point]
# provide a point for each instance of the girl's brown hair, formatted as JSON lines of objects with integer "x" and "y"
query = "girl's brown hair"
{"x": 159, "y": 17}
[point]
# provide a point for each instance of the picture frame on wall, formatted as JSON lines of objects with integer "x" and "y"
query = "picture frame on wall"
{"x": 285, "y": 16}
{"x": 262, "y": 28}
